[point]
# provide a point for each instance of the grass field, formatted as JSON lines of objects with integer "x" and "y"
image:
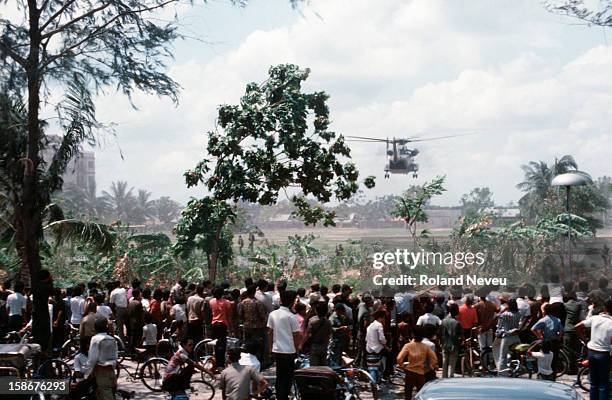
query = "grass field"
{"x": 333, "y": 236}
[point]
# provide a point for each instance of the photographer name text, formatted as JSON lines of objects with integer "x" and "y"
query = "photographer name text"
{"x": 435, "y": 280}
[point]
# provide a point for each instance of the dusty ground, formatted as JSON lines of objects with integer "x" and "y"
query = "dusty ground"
{"x": 388, "y": 391}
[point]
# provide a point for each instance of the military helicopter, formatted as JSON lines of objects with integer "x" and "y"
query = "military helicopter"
{"x": 400, "y": 159}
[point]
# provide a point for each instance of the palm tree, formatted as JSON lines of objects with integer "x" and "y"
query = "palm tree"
{"x": 86, "y": 201}
{"x": 167, "y": 210}
{"x": 121, "y": 200}
{"x": 145, "y": 208}
{"x": 538, "y": 178}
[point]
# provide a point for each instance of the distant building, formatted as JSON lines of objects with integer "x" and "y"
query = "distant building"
{"x": 81, "y": 170}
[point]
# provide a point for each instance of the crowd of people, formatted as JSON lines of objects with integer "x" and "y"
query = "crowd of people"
{"x": 419, "y": 331}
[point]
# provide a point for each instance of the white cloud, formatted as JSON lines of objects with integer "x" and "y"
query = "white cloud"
{"x": 533, "y": 87}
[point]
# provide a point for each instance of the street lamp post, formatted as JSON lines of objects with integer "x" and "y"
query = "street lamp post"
{"x": 568, "y": 180}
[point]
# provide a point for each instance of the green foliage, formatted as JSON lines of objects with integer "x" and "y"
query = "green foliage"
{"x": 477, "y": 201}
{"x": 266, "y": 145}
{"x": 512, "y": 251}
{"x": 541, "y": 200}
{"x": 411, "y": 206}
{"x": 276, "y": 138}
{"x": 204, "y": 225}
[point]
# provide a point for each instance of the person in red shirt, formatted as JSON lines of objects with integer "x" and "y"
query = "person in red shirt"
{"x": 467, "y": 315}
{"x": 221, "y": 320}
{"x": 155, "y": 311}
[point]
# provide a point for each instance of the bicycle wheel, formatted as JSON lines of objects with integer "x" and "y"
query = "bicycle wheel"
{"x": 200, "y": 350}
{"x": 363, "y": 382}
{"x": 200, "y": 390}
{"x": 120, "y": 349}
{"x": 69, "y": 349}
{"x": 152, "y": 373}
{"x": 398, "y": 379}
{"x": 54, "y": 369}
{"x": 487, "y": 362}
{"x": 209, "y": 363}
{"x": 207, "y": 376}
{"x": 467, "y": 369}
{"x": 583, "y": 379}
{"x": 560, "y": 366}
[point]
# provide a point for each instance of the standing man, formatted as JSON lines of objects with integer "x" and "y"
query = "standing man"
{"x": 286, "y": 339}
{"x": 599, "y": 351}
{"x": 251, "y": 241}
{"x": 254, "y": 317}
{"x": 376, "y": 342}
{"x": 135, "y": 313}
{"x": 16, "y": 304}
{"x": 452, "y": 333}
{"x": 221, "y": 310}
{"x": 485, "y": 310}
{"x": 118, "y": 302}
{"x": 240, "y": 243}
{"x": 341, "y": 331}
{"x": 550, "y": 330}
{"x": 467, "y": 315}
{"x": 195, "y": 315}
{"x": 102, "y": 359}
{"x": 364, "y": 318}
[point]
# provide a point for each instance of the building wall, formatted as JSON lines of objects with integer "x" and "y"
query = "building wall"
{"x": 81, "y": 170}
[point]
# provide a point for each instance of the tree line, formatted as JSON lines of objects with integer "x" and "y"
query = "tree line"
{"x": 121, "y": 202}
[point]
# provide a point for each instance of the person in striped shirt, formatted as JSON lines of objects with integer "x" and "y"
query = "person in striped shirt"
{"x": 418, "y": 356}
{"x": 507, "y": 332}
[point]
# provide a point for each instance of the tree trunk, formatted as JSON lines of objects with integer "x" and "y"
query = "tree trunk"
{"x": 213, "y": 257}
{"x": 29, "y": 210}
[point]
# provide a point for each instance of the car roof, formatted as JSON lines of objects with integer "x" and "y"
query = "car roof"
{"x": 495, "y": 388}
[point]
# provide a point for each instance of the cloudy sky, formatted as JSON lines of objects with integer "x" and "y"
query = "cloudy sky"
{"x": 534, "y": 85}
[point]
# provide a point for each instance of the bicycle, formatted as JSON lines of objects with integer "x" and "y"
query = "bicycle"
{"x": 398, "y": 377}
{"x": 204, "y": 352}
{"x": 356, "y": 379}
{"x": 560, "y": 363}
{"x": 150, "y": 373}
{"x": 71, "y": 347}
{"x": 473, "y": 359}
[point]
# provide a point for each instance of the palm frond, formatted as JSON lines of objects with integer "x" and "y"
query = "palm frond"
{"x": 54, "y": 213}
{"x": 150, "y": 241}
{"x": 98, "y": 236}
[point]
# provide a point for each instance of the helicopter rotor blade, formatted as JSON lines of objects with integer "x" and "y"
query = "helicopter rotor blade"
{"x": 440, "y": 137}
{"x": 365, "y": 139}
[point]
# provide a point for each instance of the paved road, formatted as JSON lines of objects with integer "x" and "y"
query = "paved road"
{"x": 388, "y": 391}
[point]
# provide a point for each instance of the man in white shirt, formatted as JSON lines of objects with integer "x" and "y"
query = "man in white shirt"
{"x": 599, "y": 347}
{"x": 248, "y": 356}
{"x": 428, "y": 318}
{"x": 118, "y": 302}
{"x": 286, "y": 337}
{"x": 77, "y": 307}
{"x": 16, "y": 305}
{"x": 102, "y": 360}
{"x": 376, "y": 342}
{"x": 281, "y": 286}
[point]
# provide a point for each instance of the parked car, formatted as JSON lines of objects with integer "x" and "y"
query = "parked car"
{"x": 495, "y": 388}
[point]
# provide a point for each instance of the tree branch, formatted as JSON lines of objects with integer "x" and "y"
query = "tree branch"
{"x": 72, "y": 22}
{"x": 56, "y": 14}
{"x": 12, "y": 53}
{"x": 98, "y": 30}
{"x": 102, "y": 7}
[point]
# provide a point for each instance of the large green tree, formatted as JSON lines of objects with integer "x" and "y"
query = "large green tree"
{"x": 277, "y": 140}
{"x": 79, "y": 47}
